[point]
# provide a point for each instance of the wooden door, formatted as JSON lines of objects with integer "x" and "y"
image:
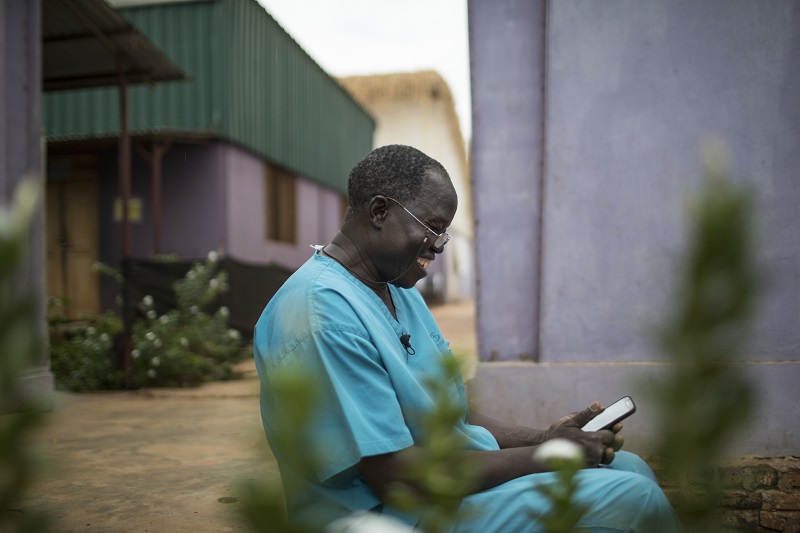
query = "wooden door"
{"x": 72, "y": 239}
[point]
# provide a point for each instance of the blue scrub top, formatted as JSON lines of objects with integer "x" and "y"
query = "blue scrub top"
{"x": 371, "y": 390}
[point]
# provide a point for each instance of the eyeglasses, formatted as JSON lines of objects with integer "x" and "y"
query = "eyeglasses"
{"x": 441, "y": 238}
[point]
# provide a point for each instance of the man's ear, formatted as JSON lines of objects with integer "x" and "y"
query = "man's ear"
{"x": 378, "y": 211}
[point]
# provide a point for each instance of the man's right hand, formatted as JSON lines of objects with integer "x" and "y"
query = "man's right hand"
{"x": 599, "y": 447}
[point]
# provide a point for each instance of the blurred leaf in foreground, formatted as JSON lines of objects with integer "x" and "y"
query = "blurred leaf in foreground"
{"x": 20, "y": 346}
{"x": 705, "y": 398}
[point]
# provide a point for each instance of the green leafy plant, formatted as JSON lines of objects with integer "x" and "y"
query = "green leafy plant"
{"x": 566, "y": 459}
{"x": 263, "y": 504}
{"x": 703, "y": 399}
{"x": 184, "y": 346}
{"x": 440, "y": 480}
{"x": 20, "y": 346}
{"x": 80, "y": 352}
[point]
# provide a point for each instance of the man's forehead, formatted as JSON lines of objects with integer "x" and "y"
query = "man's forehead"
{"x": 436, "y": 183}
{"x": 437, "y": 200}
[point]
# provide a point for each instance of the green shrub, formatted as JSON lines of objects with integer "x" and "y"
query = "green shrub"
{"x": 182, "y": 347}
{"x": 717, "y": 290}
{"x": 80, "y": 352}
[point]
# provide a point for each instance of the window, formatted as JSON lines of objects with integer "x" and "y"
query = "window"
{"x": 281, "y": 204}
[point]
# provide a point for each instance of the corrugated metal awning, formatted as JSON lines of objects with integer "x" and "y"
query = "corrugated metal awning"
{"x": 85, "y": 43}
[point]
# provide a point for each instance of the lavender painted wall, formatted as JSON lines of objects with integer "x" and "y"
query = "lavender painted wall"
{"x": 536, "y": 395}
{"x": 193, "y": 185}
{"x": 192, "y": 194}
{"x": 20, "y": 155}
{"x": 506, "y": 53}
{"x": 318, "y": 214}
{"x": 632, "y": 89}
{"x": 212, "y": 199}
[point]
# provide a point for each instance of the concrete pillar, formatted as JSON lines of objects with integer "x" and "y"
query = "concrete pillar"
{"x": 508, "y": 64}
{"x": 21, "y": 154}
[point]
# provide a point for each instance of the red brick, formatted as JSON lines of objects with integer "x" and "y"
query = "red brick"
{"x": 780, "y": 521}
{"x": 790, "y": 479}
{"x": 780, "y": 501}
{"x": 730, "y": 476}
{"x": 739, "y": 520}
{"x": 742, "y": 500}
{"x": 759, "y": 477}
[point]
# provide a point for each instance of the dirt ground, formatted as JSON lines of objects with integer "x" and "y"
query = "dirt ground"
{"x": 457, "y": 322}
{"x": 150, "y": 460}
{"x": 166, "y": 460}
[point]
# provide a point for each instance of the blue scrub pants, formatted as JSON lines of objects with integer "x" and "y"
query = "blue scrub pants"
{"x": 622, "y": 497}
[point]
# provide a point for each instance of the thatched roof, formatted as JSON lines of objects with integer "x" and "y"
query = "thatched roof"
{"x": 367, "y": 90}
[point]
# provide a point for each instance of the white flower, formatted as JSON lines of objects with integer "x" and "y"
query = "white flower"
{"x": 151, "y": 314}
{"x": 150, "y": 335}
{"x": 224, "y": 311}
{"x": 559, "y": 450}
{"x": 104, "y": 337}
{"x": 163, "y": 319}
{"x": 184, "y": 342}
{"x": 366, "y": 522}
{"x": 147, "y": 300}
{"x": 213, "y": 283}
{"x": 212, "y": 256}
{"x": 233, "y": 334}
{"x": 190, "y": 274}
{"x": 90, "y": 331}
{"x": 155, "y": 361}
{"x": 194, "y": 309}
{"x": 157, "y": 343}
{"x": 151, "y": 373}
{"x": 135, "y": 353}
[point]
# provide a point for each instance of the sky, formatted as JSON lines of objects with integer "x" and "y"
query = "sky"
{"x": 351, "y": 37}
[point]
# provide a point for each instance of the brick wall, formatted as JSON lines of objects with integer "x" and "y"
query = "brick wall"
{"x": 759, "y": 493}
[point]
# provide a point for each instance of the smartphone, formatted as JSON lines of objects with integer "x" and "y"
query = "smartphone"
{"x": 619, "y": 410}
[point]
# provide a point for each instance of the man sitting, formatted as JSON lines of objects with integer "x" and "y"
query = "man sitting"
{"x": 352, "y": 319}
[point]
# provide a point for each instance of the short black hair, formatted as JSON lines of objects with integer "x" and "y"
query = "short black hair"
{"x": 394, "y": 170}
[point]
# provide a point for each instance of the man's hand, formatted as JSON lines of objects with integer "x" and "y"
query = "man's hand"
{"x": 598, "y": 446}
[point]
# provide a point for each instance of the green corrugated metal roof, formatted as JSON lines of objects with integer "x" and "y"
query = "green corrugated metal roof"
{"x": 83, "y": 41}
{"x": 251, "y": 84}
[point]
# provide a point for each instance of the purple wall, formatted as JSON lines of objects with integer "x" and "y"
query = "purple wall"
{"x": 631, "y": 90}
{"x": 190, "y": 190}
{"x": 20, "y": 155}
{"x": 212, "y": 199}
{"x": 634, "y": 89}
{"x": 319, "y": 214}
{"x": 193, "y": 215}
{"x": 506, "y": 54}
{"x": 192, "y": 218}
